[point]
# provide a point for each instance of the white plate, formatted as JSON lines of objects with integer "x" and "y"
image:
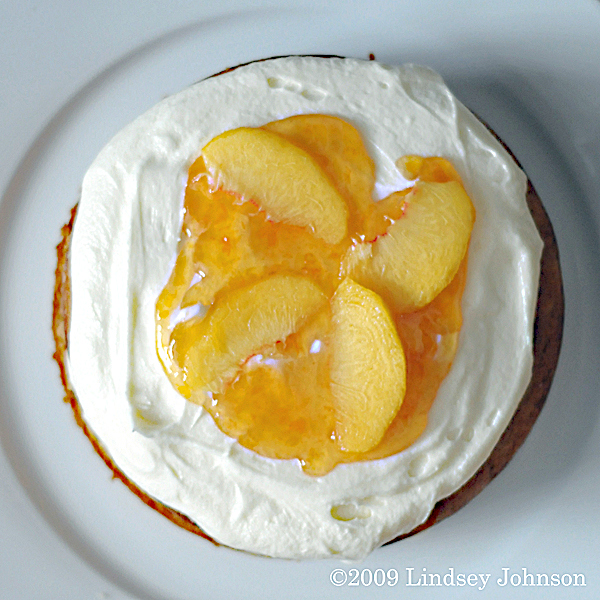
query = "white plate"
{"x": 71, "y": 79}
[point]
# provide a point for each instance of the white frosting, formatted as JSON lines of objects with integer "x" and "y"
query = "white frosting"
{"x": 123, "y": 247}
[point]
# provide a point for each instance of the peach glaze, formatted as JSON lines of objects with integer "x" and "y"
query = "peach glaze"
{"x": 279, "y": 403}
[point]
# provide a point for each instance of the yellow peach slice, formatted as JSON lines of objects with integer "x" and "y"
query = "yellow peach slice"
{"x": 280, "y": 177}
{"x": 211, "y": 349}
{"x": 368, "y": 367}
{"x": 421, "y": 251}
{"x": 339, "y": 150}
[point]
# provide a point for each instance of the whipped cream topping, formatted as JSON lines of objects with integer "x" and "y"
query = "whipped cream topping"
{"x": 123, "y": 247}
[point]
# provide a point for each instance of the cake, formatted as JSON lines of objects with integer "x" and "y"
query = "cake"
{"x": 119, "y": 250}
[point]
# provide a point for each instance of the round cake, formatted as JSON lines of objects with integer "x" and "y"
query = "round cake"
{"x": 118, "y": 252}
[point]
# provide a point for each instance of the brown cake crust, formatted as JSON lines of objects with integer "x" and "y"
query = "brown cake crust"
{"x": 548, "y": 329}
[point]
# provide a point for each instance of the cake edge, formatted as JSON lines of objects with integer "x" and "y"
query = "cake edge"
{"x": 60, "y": 330}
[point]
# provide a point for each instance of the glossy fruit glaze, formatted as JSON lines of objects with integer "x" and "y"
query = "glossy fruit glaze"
{"x": 277, "y": 401}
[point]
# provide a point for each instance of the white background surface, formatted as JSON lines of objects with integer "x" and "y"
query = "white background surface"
{"x": 73, "y": 73}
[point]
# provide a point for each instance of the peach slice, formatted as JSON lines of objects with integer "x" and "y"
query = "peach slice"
{"x": 368, "y": 367}
{"x": 340, "y": 151}
{"x": 282, "y": 178}
{"x": 211, "y": 349}
{"x": 421, "y": 251}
